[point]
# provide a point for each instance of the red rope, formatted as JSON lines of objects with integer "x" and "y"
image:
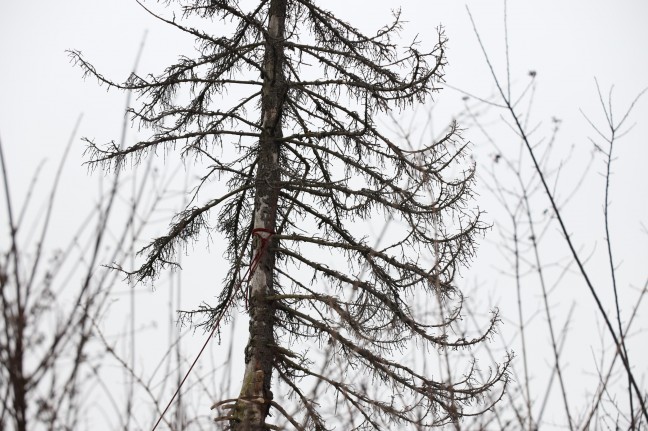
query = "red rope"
{"x": 250, "y": 272}
{"x": 265, "y": 241}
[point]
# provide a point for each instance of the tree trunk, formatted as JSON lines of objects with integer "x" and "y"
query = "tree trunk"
{"x": 17, "y": 376}
{"x": 252, "y": 407}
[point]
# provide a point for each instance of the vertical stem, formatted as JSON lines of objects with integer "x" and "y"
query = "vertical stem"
{"x": 15, "y": 322}
{"x": 518, "y": 284}
{"x": 545, "y": 297}
{"x": 253, "y": 404}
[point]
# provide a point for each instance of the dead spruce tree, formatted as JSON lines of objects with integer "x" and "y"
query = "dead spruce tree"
{"x": 304, "y": 163}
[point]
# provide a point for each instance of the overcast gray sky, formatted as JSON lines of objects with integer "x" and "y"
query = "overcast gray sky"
{"x": 567, "y": 43}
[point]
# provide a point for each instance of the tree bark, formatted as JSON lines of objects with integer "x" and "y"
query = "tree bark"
{"x": 16, "y": 371}
{"x": 252, "y": 407}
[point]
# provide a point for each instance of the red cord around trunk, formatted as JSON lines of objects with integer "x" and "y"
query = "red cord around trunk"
{"x": 265, "y": 241}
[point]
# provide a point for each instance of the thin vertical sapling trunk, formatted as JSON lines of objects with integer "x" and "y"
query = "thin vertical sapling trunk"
{"x": 253, "y": 403}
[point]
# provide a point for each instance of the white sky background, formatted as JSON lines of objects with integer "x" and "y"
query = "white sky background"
{"x": 567, "y": 43}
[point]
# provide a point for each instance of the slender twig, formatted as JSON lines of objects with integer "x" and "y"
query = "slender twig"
{"x": 550, "y": 195}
